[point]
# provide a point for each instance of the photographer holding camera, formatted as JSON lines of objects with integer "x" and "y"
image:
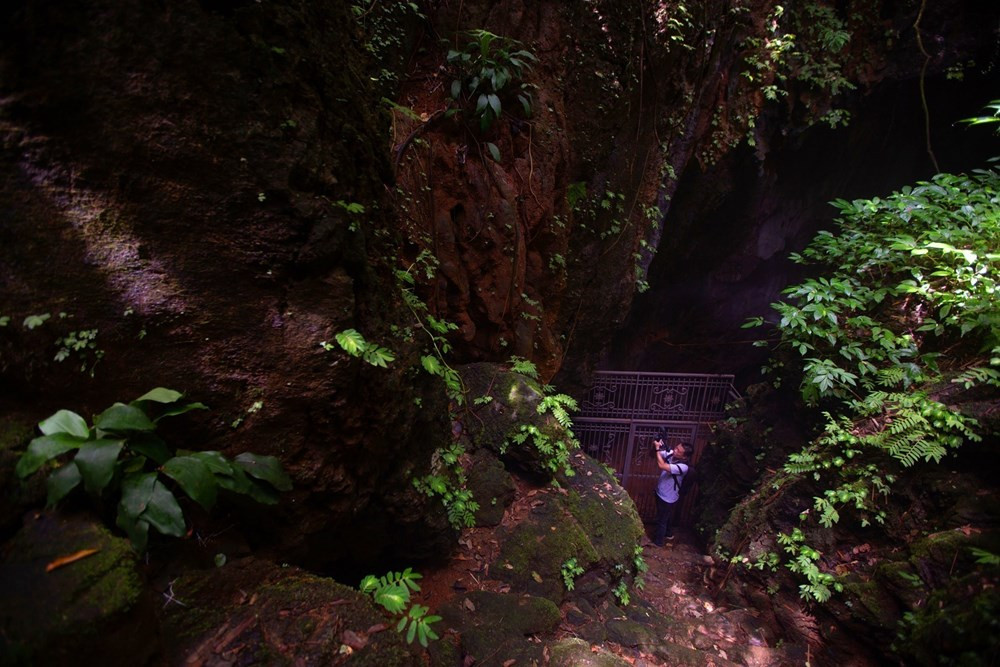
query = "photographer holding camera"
{"x": 673, "y": 466}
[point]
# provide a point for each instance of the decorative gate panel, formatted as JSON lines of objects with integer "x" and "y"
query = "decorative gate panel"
{"x": 623, "y": 411}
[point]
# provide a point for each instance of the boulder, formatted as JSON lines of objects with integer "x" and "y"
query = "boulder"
{"x": 70, "y": 594}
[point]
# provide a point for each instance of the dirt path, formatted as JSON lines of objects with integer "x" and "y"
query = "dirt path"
{"x": 680, "y": 584}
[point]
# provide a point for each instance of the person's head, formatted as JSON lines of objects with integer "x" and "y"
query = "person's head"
{"x": 682, "y": 450}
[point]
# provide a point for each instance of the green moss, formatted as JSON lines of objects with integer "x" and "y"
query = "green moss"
{"x": 15, "y": 432}
{"x": 605, "y": 512}
{"x": 532, "y": 556}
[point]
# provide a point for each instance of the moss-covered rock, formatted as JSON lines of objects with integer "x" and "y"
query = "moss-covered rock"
{"x": 579, "y": 653}
{"x": 491, "y": 486}
{"x": 254, "y": 612}
{"x": 495, "y": 627}
{"x": 71, "y": 594}
{"x": 532, "y": 554}
{"x": 16, "y": 495}
{"x": 592, "y": 521}
{"x": 515, "y": 401}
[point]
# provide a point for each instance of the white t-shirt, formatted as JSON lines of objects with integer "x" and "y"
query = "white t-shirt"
{"x": 666, "y": 489}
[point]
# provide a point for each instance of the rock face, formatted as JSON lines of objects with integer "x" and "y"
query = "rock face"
{"x": 176, "y": 182}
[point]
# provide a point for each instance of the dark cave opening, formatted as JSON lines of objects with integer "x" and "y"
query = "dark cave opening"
{"x": 732, "y": 226}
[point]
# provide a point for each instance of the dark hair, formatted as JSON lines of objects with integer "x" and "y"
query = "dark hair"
{"x": 688, "y": 448}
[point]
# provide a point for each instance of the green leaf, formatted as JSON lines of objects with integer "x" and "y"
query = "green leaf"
{"x": 96, "y": 461}
{"x": 136, "y": 529}
{"x": 160, "y": 395}
{"x": 163, "y": 512}
{"x": 216, "y": 462}
{"x": 121, "y": 417}
{"x": 494, "y": 151}
{"x": 494, "y": 103}
{"x": 61, "y": 482}
{"x": 151, "y": 446}
{"x": 137, "y": 490}
{"x": 235, "y": 480}
{"x": 181, "y": 409}
{"x": 194, "y": 477}
{"x": 266, "y": 468}
{"x": 456, "y": 89}
{"x": 351, "y": 342}
{"x": 65, "y": 421}
{"x": 44, "y": 448}
{"x": 431, "y": 364}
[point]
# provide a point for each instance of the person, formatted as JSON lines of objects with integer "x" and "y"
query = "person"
{"x": 673, "y": 466}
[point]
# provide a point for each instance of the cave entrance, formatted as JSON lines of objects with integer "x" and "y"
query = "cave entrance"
{"x": 622, "y": 412}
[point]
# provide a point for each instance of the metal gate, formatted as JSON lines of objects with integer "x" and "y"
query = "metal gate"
{"x": 622, "y": 412}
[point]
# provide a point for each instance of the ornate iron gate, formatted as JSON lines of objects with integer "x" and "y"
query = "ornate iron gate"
{"x": 622, "y": 412}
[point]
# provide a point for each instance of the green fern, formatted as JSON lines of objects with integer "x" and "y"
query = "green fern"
{"x": 524, "y": 367}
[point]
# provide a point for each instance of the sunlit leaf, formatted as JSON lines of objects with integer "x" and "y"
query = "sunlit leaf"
{"x": 121, "y": 417}
{"x": 65, "y": 421}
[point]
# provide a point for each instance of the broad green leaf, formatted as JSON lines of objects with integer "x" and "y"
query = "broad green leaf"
{"x": 61, "y": 482}
{"x": 44, "y": 448}
{"x": 96, "y": 461}
{"x": 456, "y": 89}
{"x": 262, "y": 494}
{"x": 235, "y": 480}
{"x": 65, "y": 421}
{"x": 137, "y": 490}
{"x": 160, "y": 395}
{"x": 175, "y": 410}
{"x": 151, "y": 446}
{"x": 267, "y": 468}
{"x": 216, "y": 462}
{"x": 194, "y": 478}
{"x": 494, "y": 151}
{"x": 163, "y": 512}
{"x": 494, "y": 102}
{"x": 481, "y": 102}
{"x": 121, "y": 417}
{"x": 136, "y": 529}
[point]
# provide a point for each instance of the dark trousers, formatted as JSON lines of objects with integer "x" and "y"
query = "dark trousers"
{"x": 664, "y": 512}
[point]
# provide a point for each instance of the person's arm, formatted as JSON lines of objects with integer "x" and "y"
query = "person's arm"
{"x": 663, "y": 465}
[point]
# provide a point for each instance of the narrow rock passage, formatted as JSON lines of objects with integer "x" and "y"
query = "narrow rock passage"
{"x": 683, "y": 622}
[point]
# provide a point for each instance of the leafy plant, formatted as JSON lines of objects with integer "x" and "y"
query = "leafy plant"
{"x": 620, "y": 591}
{"x": 120, "y": 453}
{"x": 990, "y": 119}
{"x": 570, "y": 571}
{"x": 485, "y": 70}
{"x": 447, "y": 480}
{"x": 907, "y": 304}
{"x": 436, "y": 329}
{"x": 524, "y": 367}
{"x": 392, "y": 592}
{"x": 355, "y": 345}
